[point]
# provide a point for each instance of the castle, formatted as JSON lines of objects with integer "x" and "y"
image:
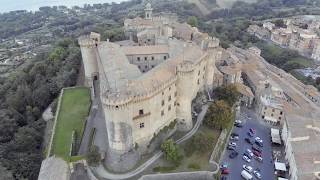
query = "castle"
{"x": 149, "y": 81}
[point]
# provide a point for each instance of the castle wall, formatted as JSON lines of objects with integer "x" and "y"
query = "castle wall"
{"x": 89, "y": 62}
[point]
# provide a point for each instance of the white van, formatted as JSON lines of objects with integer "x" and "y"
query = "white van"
{"x": 246, "y": 175}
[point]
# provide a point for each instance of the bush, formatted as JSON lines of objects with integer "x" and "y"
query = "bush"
{"x": 93, "y": 157}
{"x": 172, "y": 151}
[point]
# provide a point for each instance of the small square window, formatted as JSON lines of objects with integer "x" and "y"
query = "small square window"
{"x": 198, "y": 73}
{"x": 141, "y": 125}
{"x": 198, "y": 81}
{"x": 204, "y": 68}
{"x": 169, "y": 98}
{"x": 281, "y": 112}
{"x": 164, "y": 57}
{"x": 146, "y": 66}
{"x": 162, "y": 93}
{"x": 272, "y": 110}
{"x": 272, "y": 115}
{"x": 145, "y": 58}
{"x": 175, "y": 94}
{"x": 279, "y": 118}
{"x": 152, "y": 66}
{"x": 162, "y": 103}
{"x": 169, "y": 88}
{"x": 138, "y": 58}
{"x": 162, "y": 113}
{"x": 169, "y": 107}
{"x": 141, "y": 112}
{"x": 152, "y": 58}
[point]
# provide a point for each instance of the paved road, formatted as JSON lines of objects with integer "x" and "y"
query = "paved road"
{"x": 101, "y": 171}
{"x": 262, "y": 131}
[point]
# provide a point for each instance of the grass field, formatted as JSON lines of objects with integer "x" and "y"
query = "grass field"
{"x": 75, "y": 105}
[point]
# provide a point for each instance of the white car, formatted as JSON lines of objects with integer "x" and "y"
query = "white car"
{"x": 249, "y": 152}
{"x": 247, "y": 168}
{"x": 234, "y": 138}
{"x": 245, "y": 158}
{"x": 238, "y": 121}
{"x": 232, "y": 144}
{"x": 258, "y": 139}
{"x": 257, "y": 174}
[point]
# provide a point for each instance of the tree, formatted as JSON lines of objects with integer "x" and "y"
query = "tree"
{"x": 171, "y": 151}
{"x": 192, "y": 21}
{"x": 228, "y": 93}
{"x": 219, "y": 115}
{"x": 93, "y": 157}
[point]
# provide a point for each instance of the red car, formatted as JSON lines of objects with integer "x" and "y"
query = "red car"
{"x": 253, "y": 131}
{"x": 257, "y": 153}
{"x": 225, "y": 171}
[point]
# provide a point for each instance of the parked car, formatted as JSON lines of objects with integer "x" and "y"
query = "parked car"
{"x": 259, "y": 143}
{"x": 234, "y": 138}
{"x": 258, "y": 158}
{"x": 246, "y": 175}
{"x": 249, "y": 152}
{"x": 223, "y": 177}
{"x": 223, "y": 166}
{"x": 225, "y": 171}
{"x": 247, "y": 168}
{"x": 233, "y": 154}
{"x": 250, "y": 134}
{"x": 238, "y": 123}
{"x": 231, "y": 147}
{"x": 257, "y": 174}
{"x": 245, "y": 158}
{"x": 232, "y": 144}
{"x": 257, "y": 153}
{"x": 257, "y": 148}
{"x": 248, "y": 141}
{"x": 253, "y": 131}
{"x": 258, "y": 139}
{"x": 234, "y": 134}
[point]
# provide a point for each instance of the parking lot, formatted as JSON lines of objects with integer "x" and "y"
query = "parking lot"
{"x": 262, "y": 130}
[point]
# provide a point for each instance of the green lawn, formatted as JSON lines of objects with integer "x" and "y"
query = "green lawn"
{"x": 75, "y": 105}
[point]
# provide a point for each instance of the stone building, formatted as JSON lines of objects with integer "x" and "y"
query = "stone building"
{"x": 145, "y": 88}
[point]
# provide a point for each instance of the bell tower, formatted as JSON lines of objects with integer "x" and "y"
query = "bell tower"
{"x": 148, "y": 11}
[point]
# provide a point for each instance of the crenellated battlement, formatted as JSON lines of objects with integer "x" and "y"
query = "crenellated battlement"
{"x": 86, "y": 41}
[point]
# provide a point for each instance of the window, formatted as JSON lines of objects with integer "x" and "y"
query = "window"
{"x": 175, "y": 94}
{"x": 162, "y": 93}
{"x": 145, "y": 58}
{"x": 146, "y": 66}
{"x": 198, "y": 81}
{"x": 272, "y": 110}
{"x": 141, "y": 112}
{"x": 152, "y": 58}
{"x": 141, "y": 125}
{"x": 279, "y": 118}
{"x": 169, "y": 98}
{"x": 139, "y": 67}
{"x": 138, "y": 58}
{"x": 272, "y": 115}
{"x": 169, "y": 88}
{"x": 162, "y": 103}
{"x": 281, "y": 112}
{"x": 198, "y": 73}
{"x": 164, "y": 57}
{"x": 203, "y": 77}
{"x": 162, "y": 113}
{"x": 204, "y": 68}
{"x": 152, "y": 66}
{"x": 169, "y": 107}
{"x": 175, "y": 103}
{"x": 265, "y": 108}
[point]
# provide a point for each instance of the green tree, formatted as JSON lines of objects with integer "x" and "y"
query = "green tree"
{"x": 171, "y": 151}
{"x": 228, "y": 93}
{"x": 93, "y": 157}
{"x": 193, "y": 21}
{"x": 219, "y": 115}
